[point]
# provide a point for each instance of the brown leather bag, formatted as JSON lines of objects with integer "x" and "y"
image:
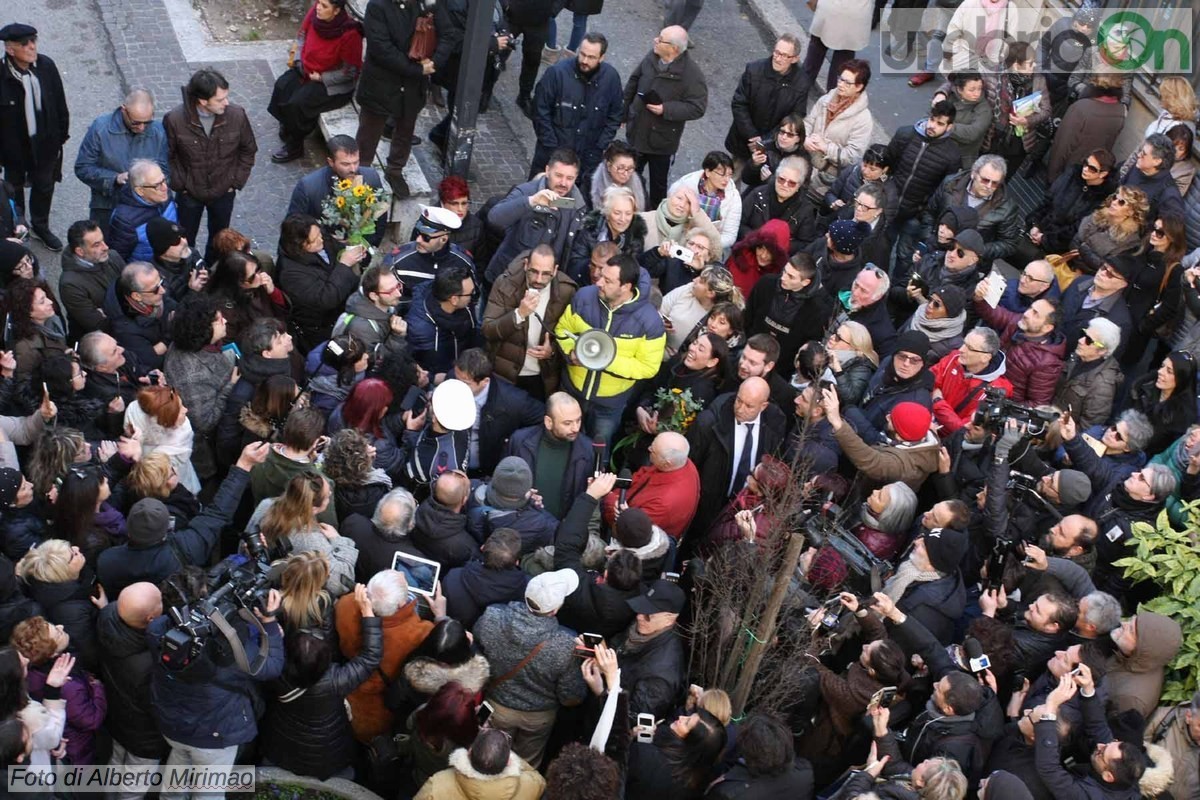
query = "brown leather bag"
{"x": 424, "y": 39}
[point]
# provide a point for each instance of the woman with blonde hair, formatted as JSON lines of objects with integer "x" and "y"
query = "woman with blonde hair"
{"x": 618, "y": 221}
{"x": 160, "y": 416}
{"x": 305, "y": 603}
{"x": 56, "y": 450}
{"x": 58, "y": 578}
{"x": 288, "y": 524}
{"x": 853, "y": 359}
{"x": 1113, "y": 229}
{"x": 684, "y": 309}
{"x": 669, "y": 224}
{"x": 155, "y": 476}
{"x": 1179, "y": 105}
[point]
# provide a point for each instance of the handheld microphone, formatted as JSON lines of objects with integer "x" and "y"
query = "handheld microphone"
{"x": 977, "y": 660}
{"x": 625, "y": 476}
{"x": 598, "y": 450}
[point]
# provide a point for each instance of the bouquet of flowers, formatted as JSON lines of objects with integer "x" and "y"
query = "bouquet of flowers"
{"x": 676, "y": 409}
{"x": 350, "y": 212}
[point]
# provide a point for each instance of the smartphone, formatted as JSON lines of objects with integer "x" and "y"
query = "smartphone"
{"x": 682, "y": 253}
{"x": 883, "y": 698}
{"x": 484, "y": 713}
{"x": 916, "y": 280}
{"x": 563, "y": 202}
{"x": 673, "y": 577}
{"x": 922, "y": 248}
{"x": 757, "y": 147}
{"x": 411, "y": 398}
{"x": 645, "y": 725}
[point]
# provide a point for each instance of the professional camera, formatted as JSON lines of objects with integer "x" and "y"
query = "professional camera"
{"x": 1005, "y": 553}
{"x": 865, "y": 571}
{"x": 237, "y": 586}
{"x": 995, "y": 409}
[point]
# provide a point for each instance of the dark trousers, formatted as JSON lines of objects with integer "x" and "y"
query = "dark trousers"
{"x": 533, "y": 385}
{"x": 682, "y": 13}
{"x": 102, "y": 217}
{"x": 299, "y": 104}
{"x": 220, "y": 212}
{"x": 816, "y": 55}
{"x": 40, "y": 178}
{"x": 660, "y": 168}
{"x": 533, "y": 39}
{"x": 370, "y": 130}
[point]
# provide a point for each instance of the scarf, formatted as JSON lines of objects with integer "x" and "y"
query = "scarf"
{"x": 836, "y": 106}
{"x": 144, "y": 309}
{"x": 668, "y": 227}
{"x": 53, "y": 328}
{"x": 710, "y": 203}
{"x": 33, "y": 95}
{"x": 1120, "y": 499}
{"x": 1012, "y": 86}
{"x": 937, "y": 329}
{"x": 636, "y": 641}
{"x": 341, "y": 23}
{"x": 906, "y": 575}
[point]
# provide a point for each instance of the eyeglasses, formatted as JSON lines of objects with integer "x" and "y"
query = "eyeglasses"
{"x": 1090, "y": 342}
{"x": 1116, "y": 432}
{"x": 968, "y": 347}
{"x": 1027, "y": 276}
{"x": 845, "y": 82}
{"x": 786, "y": 132}
{"x": 721, "y": 173}
{"x": 908, "y": 358}
{"x": 861, "y": 206}
{"x": 837, "y": 337}
{"x": 1116, "y": 198}
{"x": 988, "y": 181}
{"x": 781, "y": 54}
{"x": 782, "y": 181}
{"x": 158, "y": 185}
{"x": 624, "y": 170}
{"x": 696, "y": 244}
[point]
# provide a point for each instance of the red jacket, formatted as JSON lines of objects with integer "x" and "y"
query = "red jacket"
{"x": 961, "y": 391}
{"x": 743, "y": 263}
{"x": 1033, "y": 368}
{"x": 668, "y": 498}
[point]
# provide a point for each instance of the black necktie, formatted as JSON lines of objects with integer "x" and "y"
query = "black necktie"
{"x": 744, "y": 463}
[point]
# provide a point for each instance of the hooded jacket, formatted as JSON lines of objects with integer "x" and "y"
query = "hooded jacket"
{"x": 919, "y": 165}
{"x": 206, "y": 166}
{"x": 442, "y": 534}
{"x": 962, "y": 391}
{"x": 517, "y": 781}
{"x": 370, "y": 324}
{"x": 596, "y": 606}
{"x": 127, "y": 228}
{"x": 435, "y": 337}
{"x": 743, "y": 261}
{"x": 793, "y": 318}
{"x": 126, "y": 666}
{"x": 1168, "y": 741}
{"x": 1135, "y": 681}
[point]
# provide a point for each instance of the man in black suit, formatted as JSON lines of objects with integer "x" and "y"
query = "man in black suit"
{"x": 503, "y": 409}
{"x": 727, "y": 440}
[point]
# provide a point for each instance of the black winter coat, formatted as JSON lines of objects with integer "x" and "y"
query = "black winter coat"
{"x": 390, "y": 80}
{"x": 632, "y": 243}
{"x": 936, "y": 604}
{"x": 374, "y": 552}
{"x": 307, "y": 731}
{"x": 595, "y": 607}
{"x": 684, "y": 93}
{"x": 507, "y": 410}
{"x": 797, "y": 211}
{"x": 739, "y": 784}
{"x": 318, "y": 290}
{"x": 471, "y": 588}
{"x": 125, "y": 667}
{"x": 761, "y": 100}
{"x": 20, "y": 529}
{"x": 442, "y": 535}
{"x": 18, "y": 153}
{"x": 580, "y": 113}
{"x": 919, "y": 165}
{"x": 69, "y": 604}
{"x": 1067, "y": 202}
{"x": 138, "y": 333}
{"x": 999, "y": 220}
{"x": 655, "y": 676}
{"x": 793, "y": 318}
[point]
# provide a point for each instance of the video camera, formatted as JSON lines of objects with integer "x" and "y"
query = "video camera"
{"x": 1004, "y": 552}
{"x": 237, "y": 586}
{"x": 865, "y": 571}
{"x": 995, "y": 409}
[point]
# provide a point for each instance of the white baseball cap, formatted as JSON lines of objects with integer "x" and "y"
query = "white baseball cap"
{"x": 546, "y": 593}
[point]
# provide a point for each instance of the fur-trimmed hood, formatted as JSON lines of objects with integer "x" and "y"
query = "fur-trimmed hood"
{"x": 460, "y": 760}
{"x": 655, "y": 548}
{"x": 1159, "y": 774}
{"x": 517, "y": 781}
{"x": 427, "y": 676}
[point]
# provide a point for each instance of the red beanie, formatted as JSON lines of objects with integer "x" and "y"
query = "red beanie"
{"x": 911, "y": 421}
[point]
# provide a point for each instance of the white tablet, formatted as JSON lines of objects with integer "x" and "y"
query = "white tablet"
{"x": 422, "y": 573}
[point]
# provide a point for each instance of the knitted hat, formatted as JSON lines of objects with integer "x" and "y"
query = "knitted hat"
{"x": 911, "y": 421}
{"x": 162, "y": 234}
{"x": 912, "y": 341}
{"x": 633, "y": 528}
{"x": 1003, "y": 785}
{"x": 511, "y": 482}
{"x": 10, "y": 484}
{"x": 11, "y": 254}
{"x": 1074, "y": 488}
{"x": 848, "y": 235}
{"x": 546, "y": 592}
{"x": 970, "y": 239}
{"x": 1123, "y": 265}
{"x": 147, "y": 522}
{"x": 959, "y": 218}
{"x": 945, "y": 548}
{"x": 953, "y": 299}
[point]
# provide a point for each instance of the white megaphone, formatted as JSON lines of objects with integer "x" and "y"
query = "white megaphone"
{"x": 595, "y": 350}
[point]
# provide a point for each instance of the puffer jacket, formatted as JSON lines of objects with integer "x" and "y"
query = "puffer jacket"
{"x": 847, "y": 137}
{"x": 761, "y": 100}
{"x": 684, "y": 93}
{"x": 127, "y": 228}
{"x": 579, "y": 113}
{"x": 506, "y": 338}
{"x": 729, "y": 216}
{"x": 797, "y": 211}
{"x": 999, "y": 220}
{"x": 640, "y": 339}
{"x": 1167, "y": 729}
{"x": 206, "y": 166}
{"x": 743, "y": 261}
{"x": 109, "y": 147}
{"x": 1032, "y": 367}
{"x": 318, "y": 290}
{"x": 517, "y": 781}
{"x": 436, "y": 338}
{"x": 126, "y": 666}
{"x": 595, "y": 607}
{"x": 595, "y": 230}
{"x": 306, "y": 731}
{"x": 920, "y": 165}
{"x": 962, "y": 391}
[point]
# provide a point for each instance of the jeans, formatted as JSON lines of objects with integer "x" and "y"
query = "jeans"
{"x": 123, "y": 758}
{"x": 183, "y": 755}
{"x": 220, "y": 212}
{"x": 578, "y": 29}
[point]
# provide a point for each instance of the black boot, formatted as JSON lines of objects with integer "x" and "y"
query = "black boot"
{"x": 290, "y": 151}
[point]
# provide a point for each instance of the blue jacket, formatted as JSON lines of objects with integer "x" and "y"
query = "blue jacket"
{"x": 211, "y": 706}
{"x": 109, "y": 147}
{"x": 536, "y": 526}
{"x": 139, "y": 333}
{"x": 525, "y": 443}
{"x": 525, "y": 227}
{"x": 311, "y": 191}
{"x": 127, "y": 234}
{"x": 581, "y": 113}
{"x": 435, "y": 338}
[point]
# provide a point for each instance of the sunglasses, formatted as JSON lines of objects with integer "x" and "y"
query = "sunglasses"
{"x": 988, "y": 181}
{"x": 1090, "y": 342}
{"x": 785, "y": 182}
{"x": 936, "y": 302}
{"x": 1090, "y": 167}
{"x": 961, "y": 252}
{"x": 1121, "y": 201}
{"x": 1159, "y": 230}
{"x": 1116, "y": 433}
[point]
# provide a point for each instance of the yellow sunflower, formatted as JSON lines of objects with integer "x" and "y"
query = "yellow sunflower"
{"x": 341, "y": 202}
{"x": 360, "y": 190}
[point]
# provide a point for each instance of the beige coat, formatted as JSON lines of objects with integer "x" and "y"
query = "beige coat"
{"x": 518, "y": 781}
{"x": 1168, "y": 729}
{"x": 848, "y": 137}
{"x": 961, "y": 46}
{"x": 843, "y": 24}
{"x": 699, "y": 220}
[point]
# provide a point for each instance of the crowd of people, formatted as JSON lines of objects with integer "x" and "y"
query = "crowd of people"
{"x": 479, "y": 478}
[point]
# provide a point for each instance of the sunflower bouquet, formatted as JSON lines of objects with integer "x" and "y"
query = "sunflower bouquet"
{"x": 677, "y": 410}
{"x": 351, "y": 210}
